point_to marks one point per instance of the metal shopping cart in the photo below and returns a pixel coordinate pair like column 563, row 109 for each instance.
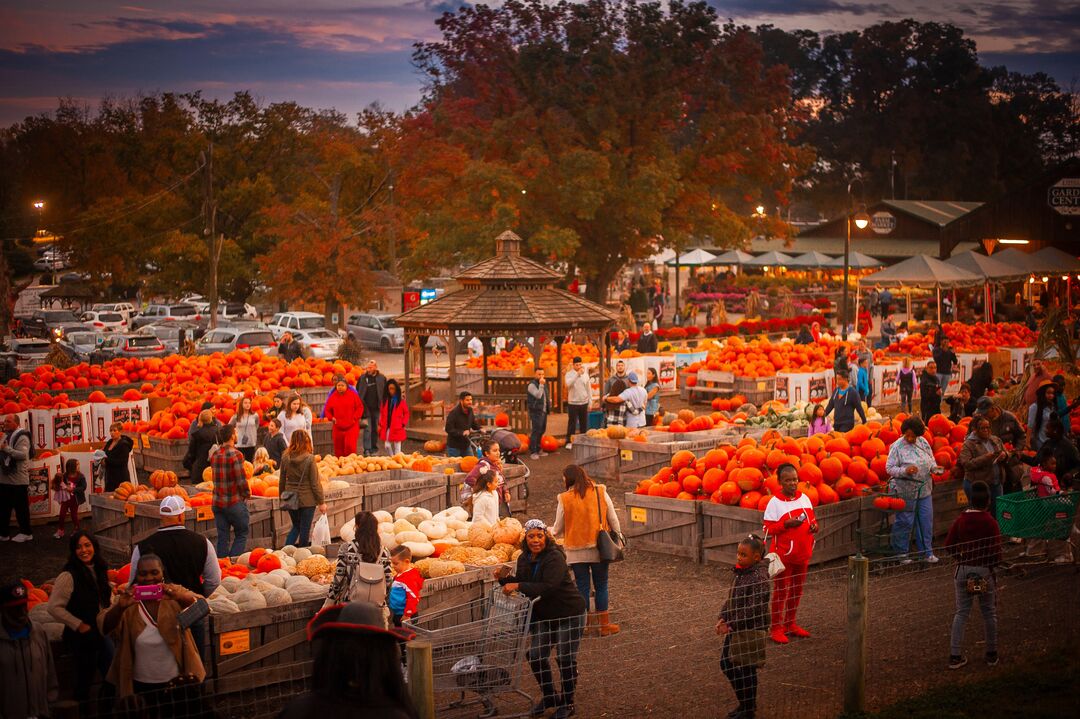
column 478, row 647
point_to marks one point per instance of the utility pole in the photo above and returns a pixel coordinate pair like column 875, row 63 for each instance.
column 214, row 241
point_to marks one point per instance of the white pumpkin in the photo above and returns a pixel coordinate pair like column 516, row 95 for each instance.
column 389, row 541
column 433, row 529
column 382, row 516
column 301, row 554
column 413, row 536
column 347, row 531
column 462, row 535
column 403, row 526
column 420, row 549
column 277, row 596
column 249, row 598
column 223, row 605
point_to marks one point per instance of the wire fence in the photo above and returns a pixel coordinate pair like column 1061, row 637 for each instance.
column 666, row 658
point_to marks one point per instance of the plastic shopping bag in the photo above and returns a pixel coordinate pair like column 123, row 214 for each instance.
column 320, row 533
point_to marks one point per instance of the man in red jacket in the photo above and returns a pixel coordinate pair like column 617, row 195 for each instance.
column 790, row 521
column 344, row 409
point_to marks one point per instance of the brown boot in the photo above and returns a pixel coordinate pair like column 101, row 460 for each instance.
column 592, row 625
column 606, row 626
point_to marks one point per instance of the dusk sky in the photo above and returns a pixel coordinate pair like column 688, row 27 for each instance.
column 349, row 53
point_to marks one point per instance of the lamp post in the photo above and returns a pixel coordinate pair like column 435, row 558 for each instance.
column 862, row 220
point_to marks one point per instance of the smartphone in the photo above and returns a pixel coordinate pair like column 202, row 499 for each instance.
column 148, row 592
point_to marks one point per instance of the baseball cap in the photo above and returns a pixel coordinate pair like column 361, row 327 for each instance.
column 632, row 377
column 14, row 594
column 172, row 507
column 576, row 360
column 353, row 618
column 984, row 404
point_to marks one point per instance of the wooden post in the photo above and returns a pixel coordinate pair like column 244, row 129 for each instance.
column 421, row 679
column 855, row 657
column 558, row 403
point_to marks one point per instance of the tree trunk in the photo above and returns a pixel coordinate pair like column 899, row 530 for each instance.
column 597, row 282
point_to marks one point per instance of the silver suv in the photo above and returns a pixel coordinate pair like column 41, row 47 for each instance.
column 376, row 330
column 168, row 313
column 227, row 339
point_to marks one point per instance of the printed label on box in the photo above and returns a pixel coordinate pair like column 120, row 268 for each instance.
column 637, row 514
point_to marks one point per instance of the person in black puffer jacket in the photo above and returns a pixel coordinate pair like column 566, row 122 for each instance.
column 746, row 610
column 558, row 617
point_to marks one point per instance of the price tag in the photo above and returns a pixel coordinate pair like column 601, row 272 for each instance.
column 638, row 514
column 146, row 441
column 129, row 510
column 204, row 514
column 626, row 455
column 236, row 642
column 961, row 498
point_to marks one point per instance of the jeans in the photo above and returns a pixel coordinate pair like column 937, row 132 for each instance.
column 15, row 496
column 996, row 491
column 905, row 399
column 237, row 517
column 943, row 379
column 920, row 516
column 787, row 593
column 743, row 679
column 300, row 533
column 371, row 430
column 453, row 452
column 599, row 571
column 987, row 604
column 577, row 420
column 538, row 421
column 91, row 653
column 564, row 636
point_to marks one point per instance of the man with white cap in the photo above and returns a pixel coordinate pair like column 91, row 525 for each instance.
column 189, row 557
column 633, row 400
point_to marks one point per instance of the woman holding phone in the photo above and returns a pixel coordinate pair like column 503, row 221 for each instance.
column 153, row 651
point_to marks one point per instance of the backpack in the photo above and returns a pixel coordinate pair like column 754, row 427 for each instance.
column 906, row 380
column 7, row 462
column 368, row 584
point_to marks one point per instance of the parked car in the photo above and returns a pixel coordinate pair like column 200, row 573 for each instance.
column 128, row 345
column 321, row 344
column 376, row 330
column 30, row 353
column 62, row 330
column 52, row 260
column 169, row 333
column 167, row 313
column 124, row 308
column 79, row 345
column 105, row 321
column 41, row 323
column 228, row 310
column 227, row 339
column 284, row 322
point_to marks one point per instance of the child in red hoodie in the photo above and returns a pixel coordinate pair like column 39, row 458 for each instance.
column 1044, row 477
column 790, row 521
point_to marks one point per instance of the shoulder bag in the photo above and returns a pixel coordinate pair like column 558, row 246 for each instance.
column 290, row 498
column 776, row 565
column 746, row 647
column 609, row 543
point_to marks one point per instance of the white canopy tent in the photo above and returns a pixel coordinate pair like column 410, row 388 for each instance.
column 923, row 272
column 770, row 259
column 812, row 260
column 990, row 269
column 693, row 258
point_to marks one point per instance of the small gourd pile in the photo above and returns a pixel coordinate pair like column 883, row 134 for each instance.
column 261, row 578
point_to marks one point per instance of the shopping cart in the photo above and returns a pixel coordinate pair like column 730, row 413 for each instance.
column 1025, row 514
column 478, row 647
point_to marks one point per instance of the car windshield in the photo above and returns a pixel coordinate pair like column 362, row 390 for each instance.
column 182, row 310
column 387, row 322
column 255, row 338
column 166, row 333
column 310, row 323
column 82, row 338
column 110, row 317
column 59, row 316
column 143, row 341
column 33, row 347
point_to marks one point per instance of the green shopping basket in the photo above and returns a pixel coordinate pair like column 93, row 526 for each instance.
column 1025, row 514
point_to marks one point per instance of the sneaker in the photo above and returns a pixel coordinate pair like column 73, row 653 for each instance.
column 991, row 659
column 543, row 454
column 795, row 630
column 534, row 456
column 5, row 538
column 932, row 559
column 569, row 445
column 956, row 661
column 778, row 636
column 22, row 538
column 907, row 561
column 59, row 534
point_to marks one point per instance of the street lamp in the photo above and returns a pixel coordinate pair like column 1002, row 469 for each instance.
column 862, row 221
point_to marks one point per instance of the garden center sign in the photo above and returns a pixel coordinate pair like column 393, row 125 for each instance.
column 1064, row 196
column 883, row 223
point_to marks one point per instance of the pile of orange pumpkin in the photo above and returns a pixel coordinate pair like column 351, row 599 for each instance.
column 762, row 358
column 975, row 337
column 832, row 467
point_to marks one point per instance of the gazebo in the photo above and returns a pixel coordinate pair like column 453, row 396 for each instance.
column 507, row 295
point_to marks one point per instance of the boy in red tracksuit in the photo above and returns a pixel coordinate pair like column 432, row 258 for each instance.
column 344, row 409
column 790, row 521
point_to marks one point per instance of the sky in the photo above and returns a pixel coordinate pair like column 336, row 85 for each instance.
column 347, row 54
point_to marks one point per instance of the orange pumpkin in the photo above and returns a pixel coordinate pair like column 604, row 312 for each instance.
column 468, row 462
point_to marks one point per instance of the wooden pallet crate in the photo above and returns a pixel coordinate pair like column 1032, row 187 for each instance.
column 152, row 460
column 641, row 460
column 322, row 439
column 724, row 526
column 598, row 456
column 341, row 506
column 663, row 525
column 260, row 647
column 407, row 489
column 168, row 447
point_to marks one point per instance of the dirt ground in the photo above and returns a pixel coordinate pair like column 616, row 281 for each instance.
column 665, row 661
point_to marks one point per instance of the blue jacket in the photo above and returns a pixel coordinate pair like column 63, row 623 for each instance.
column 863, row 384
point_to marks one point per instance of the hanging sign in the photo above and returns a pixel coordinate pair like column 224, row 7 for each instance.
column 882, row 223
column 1064, row 196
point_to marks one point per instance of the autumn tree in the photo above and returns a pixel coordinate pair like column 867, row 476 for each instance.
column 601, row 131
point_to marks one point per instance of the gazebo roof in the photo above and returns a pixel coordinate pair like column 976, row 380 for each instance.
column 69, row 290
column 508, row 293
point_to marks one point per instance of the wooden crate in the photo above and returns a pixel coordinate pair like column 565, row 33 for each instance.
column 949, row 501
column 162, row 447
column 322, row 438
column 666, row 526
column 598, row 456
column 407, row 489
column 314, row 397
column 112, row 528
column 641, row 460
column 443, row 593
column 724, row 526
column 260, row 647
column 151, row 460
column 341, row 506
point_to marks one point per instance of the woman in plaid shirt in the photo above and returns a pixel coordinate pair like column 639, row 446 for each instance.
column 230, row 494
